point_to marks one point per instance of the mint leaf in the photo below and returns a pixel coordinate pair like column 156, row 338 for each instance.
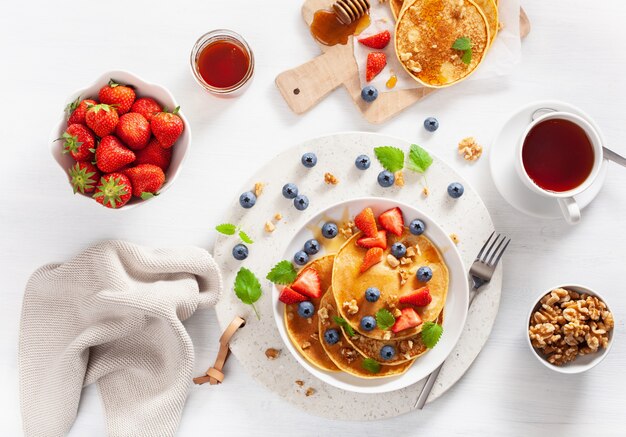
column 147, row 195
column 384, row 319
column 247, row 288
column 282, row 273
column 245, row 238
column 467, row 57
column 371, row 365
column 226, row 229
column 431, row 333
column 419, row 159
column 391, row 158
column 463, row 43
column 345, row 325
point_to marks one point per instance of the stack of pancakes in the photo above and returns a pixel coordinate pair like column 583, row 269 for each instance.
column 344, row 300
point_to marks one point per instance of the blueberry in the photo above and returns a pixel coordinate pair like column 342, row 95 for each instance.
column 331, row 336
column 368, row 323
column 431, row 124
column 398, row 250
column 387, row 352
column 386, row 178
column 330, row 230
column 309, row 160
column 362, row 162
column 306, row 309
column 312, row 246
column 247, row 199
column 424, row 274
column 417, row 227
column 372, row 294
column 240, row 252
column 290, row 191
column 301, row 202
column 369, row 93
column 301, row 258
column 455, row 190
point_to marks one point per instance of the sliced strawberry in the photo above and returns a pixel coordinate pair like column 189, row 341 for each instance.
column 379, row 241
column 372, row 257
column 366, row 222
column 376, row 61
column 288, row 296
column 420, row 297
column 378, row 41
column 408, row 319
column 308, row 283
column 392, row 221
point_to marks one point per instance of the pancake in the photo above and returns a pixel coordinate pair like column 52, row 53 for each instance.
column 349, row 284
column 425, row 33
column 346, row 357
column 406, row 350
column 304, row 334
column 396, row 7
column 490, row 9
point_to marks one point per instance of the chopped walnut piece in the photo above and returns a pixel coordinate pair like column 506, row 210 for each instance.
column 410, row 252
column 470, row 149
column 348, row 354
column 269, row 226
column 399, row 178
column 299, row 382
column 455, row 238
column 330, row 179
column 278, row 216
column 305, row 345
column 258, row 188
column 404, row 260
column 290, row 315
column 310, row 391
column 404, row 276
column 272, row 353
column 351, row 307
column 425, row 192
column 397, row 313
column 387, row 335
column 392, row 261
column 309, row 320
column 347, row 229
column 322, row 313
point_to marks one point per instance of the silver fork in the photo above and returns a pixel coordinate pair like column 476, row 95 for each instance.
column 481, row 272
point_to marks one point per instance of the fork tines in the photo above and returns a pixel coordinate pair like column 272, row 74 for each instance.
column 496, row 254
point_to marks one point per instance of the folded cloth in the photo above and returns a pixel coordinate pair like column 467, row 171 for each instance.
column 112, row 315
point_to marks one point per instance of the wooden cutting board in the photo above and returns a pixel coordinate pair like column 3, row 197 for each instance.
column 304, row 86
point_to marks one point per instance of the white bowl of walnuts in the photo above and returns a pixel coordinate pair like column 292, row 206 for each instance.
column 570, row 328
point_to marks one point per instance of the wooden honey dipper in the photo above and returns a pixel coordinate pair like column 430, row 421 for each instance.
column 348, row 11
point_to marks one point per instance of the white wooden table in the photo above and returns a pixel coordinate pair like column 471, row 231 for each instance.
column 575, row 53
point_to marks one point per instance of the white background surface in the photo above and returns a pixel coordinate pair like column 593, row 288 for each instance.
column 574, row 53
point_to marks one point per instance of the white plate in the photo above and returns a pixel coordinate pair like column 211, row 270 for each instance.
column 502, row 164
column 455, row 309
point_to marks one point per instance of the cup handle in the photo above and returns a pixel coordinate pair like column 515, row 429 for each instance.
column 570, row 210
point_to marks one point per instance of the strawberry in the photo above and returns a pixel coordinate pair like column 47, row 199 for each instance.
column 167, row 127
column 121, row 96
column 392, row 221
column 102, row 119
column 77, row 109
column 134, row 130
column 408, row 319
column 372, row 256
column 376, row 61
column 78, row 142
column 114, row 190
column 366, row 222
column 112, row 155
column 379, row 241
column 84, row 176
column 308, row 283
column 378, row 41
column 420, row 297
column 147, row 179
column 288, row 296
column 146, row 106
column 153, row 153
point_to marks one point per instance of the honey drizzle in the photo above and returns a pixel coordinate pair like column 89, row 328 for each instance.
column 330, row 246
column 328, row 30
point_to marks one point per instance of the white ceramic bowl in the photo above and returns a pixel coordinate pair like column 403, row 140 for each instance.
column 455, row 308
column 142, row 89
column 581, row 363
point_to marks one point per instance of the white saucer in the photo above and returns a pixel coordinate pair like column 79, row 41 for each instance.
column 502, row 164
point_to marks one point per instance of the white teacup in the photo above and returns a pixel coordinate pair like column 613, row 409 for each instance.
column 569, row 207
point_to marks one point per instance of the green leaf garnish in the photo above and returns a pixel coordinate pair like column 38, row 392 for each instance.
column 248, row 288
column 282, row 273
column 371, row 365
column 391, row 158
column 245, row 238
column 345, row 325
column 419, row 159
column 465, row 45
column 431, row 333
column 226, row 229
column 384, row 319
column 467, row 57
column 147, row 195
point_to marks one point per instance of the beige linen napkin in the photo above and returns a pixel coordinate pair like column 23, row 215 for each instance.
column 112, row 315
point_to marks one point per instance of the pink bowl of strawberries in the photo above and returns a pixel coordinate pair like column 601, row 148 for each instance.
column 121, row 141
